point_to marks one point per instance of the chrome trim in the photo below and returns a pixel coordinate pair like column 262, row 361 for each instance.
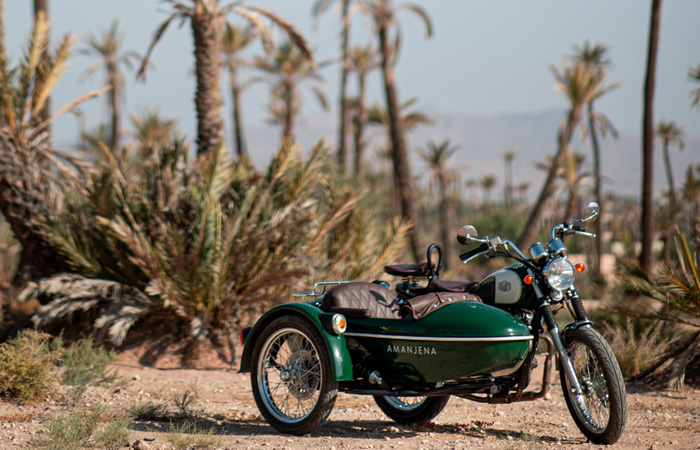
column 443, row 339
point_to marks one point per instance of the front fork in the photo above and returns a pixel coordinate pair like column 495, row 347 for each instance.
column 561, row 349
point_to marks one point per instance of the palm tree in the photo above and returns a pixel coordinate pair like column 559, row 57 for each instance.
column 694, row 75
column 508, row 157
column 384, row 17
column 41, row 7
column 438, row 158
column 108, row 49
column 207, row 19
column 376, row 115
column 318, row 9
column 288, row 67
column 596, row 57
column 3, row 49
column 26, row 191
column 151, row 130
column 670, row 133
column 362, row 61
column 646, row 258
column 487, row 183
column 580, row 83
column 522, row 189
column 235, row 40
column 573, row 178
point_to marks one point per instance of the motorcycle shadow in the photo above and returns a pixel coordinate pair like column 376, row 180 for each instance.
column 359, row 429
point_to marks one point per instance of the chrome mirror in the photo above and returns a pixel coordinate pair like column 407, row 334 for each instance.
column 466, row 234
column 591, row 212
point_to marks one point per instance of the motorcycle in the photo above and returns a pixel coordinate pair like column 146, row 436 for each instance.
column 429, row 339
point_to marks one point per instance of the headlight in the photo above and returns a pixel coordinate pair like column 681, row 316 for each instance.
column 560, row 274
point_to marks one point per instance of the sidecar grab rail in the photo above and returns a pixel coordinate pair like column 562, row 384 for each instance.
column 316, row 292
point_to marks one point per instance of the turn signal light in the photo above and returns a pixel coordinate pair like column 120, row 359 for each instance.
column 339, row 324
column 529, row 279
column 580, row 267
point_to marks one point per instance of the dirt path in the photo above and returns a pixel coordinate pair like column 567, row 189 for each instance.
column 225, row 402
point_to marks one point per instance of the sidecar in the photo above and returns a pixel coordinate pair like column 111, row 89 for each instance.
column 358, row 337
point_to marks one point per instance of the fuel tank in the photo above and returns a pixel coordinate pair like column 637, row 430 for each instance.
column 467, row 340
column 505, row 287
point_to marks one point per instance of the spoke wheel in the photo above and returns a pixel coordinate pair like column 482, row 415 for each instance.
column 292, row 378
column 409, row 410
column 600, row 411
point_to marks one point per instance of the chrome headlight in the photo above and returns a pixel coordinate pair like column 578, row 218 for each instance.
column 560, row 274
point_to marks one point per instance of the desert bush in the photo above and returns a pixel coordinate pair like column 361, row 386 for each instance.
column 184, row 399
column 637, row 343
column 194, row 244
column 671, row 294
column 148, row 410
column 84, row 429
column 188, row 435
column 27, row 366
column 84, row 364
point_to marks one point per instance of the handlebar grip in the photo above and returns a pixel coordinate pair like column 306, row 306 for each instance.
column 482, row 248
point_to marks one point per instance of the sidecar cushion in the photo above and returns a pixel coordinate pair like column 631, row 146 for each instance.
column 423, row 305
column 360, row 299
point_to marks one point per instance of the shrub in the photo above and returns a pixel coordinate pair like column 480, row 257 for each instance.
column 84, row 429
column 27, row 365
column 85, row 365
column 196, row 244
column 148, row 410
column 184, row 399
column 188, row 436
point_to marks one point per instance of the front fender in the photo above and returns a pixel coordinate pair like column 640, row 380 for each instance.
column 336, row 346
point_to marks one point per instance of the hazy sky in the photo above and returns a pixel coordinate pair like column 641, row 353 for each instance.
column 487, row 57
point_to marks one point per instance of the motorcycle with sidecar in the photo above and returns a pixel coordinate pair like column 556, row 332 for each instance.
column 429, row 339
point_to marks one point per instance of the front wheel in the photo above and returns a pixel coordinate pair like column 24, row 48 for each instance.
column 601, row 411
column 410, row 410
column 291, row 376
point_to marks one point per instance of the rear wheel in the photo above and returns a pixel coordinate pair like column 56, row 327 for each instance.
column 291, row 376
column 409, row 410
column 601, row 411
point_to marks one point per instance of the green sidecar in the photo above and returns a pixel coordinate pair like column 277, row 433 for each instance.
column 410, row 354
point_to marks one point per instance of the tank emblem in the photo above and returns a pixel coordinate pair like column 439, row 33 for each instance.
column 411, row 349
column 504, row 286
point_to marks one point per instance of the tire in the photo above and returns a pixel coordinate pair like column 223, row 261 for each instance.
column 601, row 412
column 292, row 377
column 410, row 410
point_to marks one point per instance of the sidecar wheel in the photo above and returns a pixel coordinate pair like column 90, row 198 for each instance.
column 601, row 412
column 409, row 410
column 291, row 376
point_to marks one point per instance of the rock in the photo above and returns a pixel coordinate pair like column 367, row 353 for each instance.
column 136, row 377
column 140, row 445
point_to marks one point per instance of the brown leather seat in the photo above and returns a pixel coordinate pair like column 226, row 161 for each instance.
column 451, row 286
column 360, row 300
column 408, row 270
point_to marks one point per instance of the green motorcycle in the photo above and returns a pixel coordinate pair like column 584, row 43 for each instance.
column 414, row 347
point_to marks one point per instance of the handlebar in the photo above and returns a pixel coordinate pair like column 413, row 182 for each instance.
column 561, row 230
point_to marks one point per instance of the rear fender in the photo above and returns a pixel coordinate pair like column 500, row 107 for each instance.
column 336, row 345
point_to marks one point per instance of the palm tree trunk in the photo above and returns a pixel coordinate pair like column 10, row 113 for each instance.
column 42, row 7
column 207, row 29
column 402, row 171
column 241, row 150
column 288, row 119
column 597, row 275
column 114, row 107
column 3, row 48
column 342, row 147
column 361, row 119
column 445, row 222
column 24, row 192
column 646, row 258
column 669, row 176
column 536, row 213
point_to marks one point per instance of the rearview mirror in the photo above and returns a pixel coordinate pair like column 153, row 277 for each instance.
column 466, row 234
column 591, row 212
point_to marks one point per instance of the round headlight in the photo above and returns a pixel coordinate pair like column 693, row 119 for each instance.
column 560, row 274
column 339, row 324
